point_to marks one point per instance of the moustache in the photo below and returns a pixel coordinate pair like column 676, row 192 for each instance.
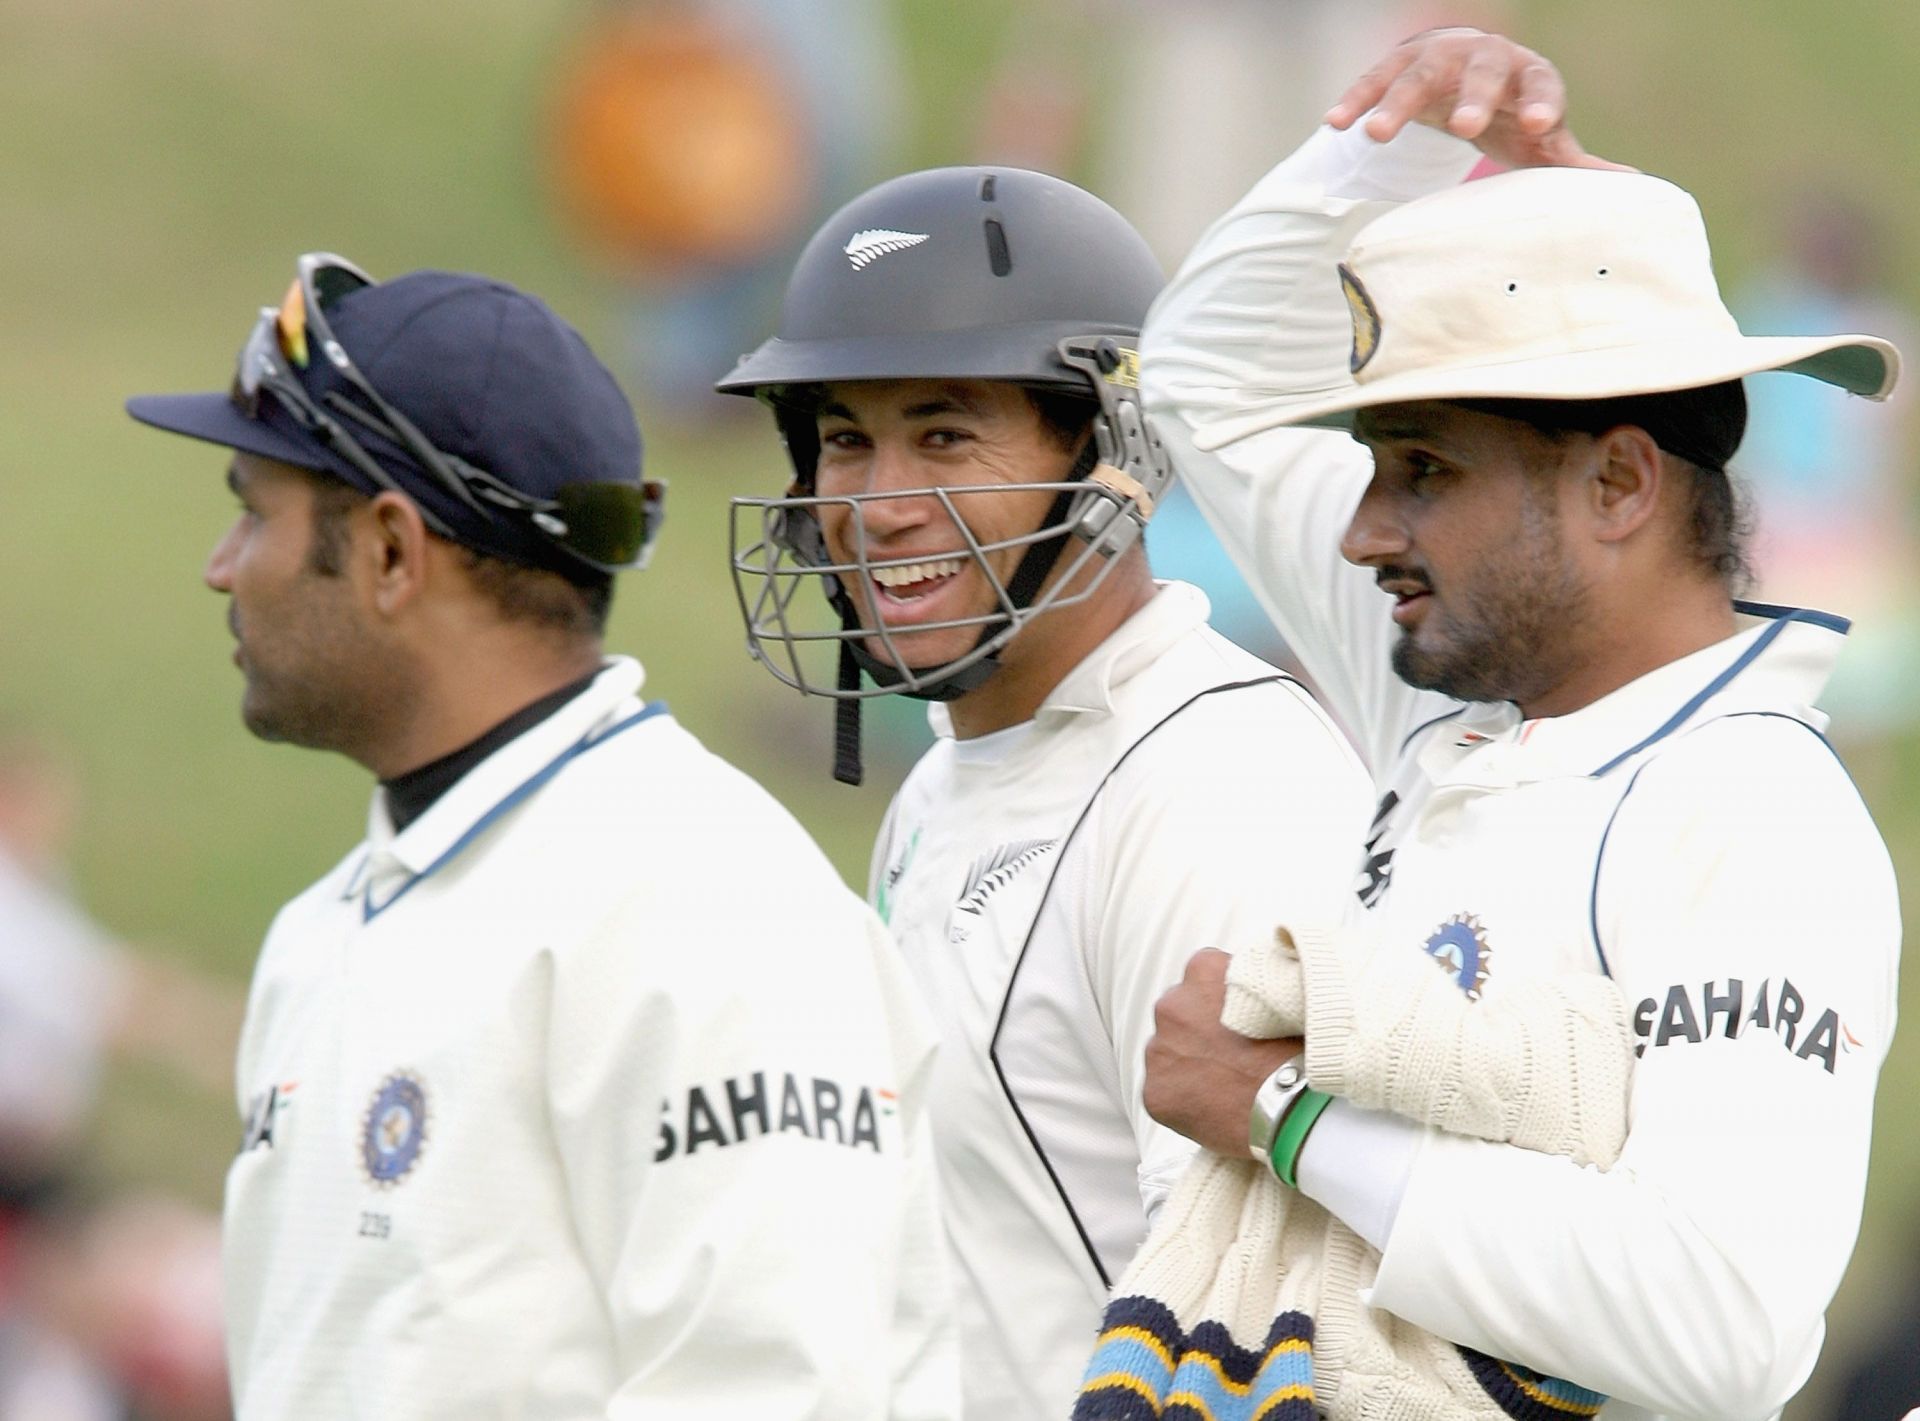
column 1404, row 575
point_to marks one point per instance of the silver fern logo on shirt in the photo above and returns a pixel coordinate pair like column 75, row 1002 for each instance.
column 990, row 873
column 868, row 246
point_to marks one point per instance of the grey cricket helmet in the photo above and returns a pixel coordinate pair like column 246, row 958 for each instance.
column 958, row 274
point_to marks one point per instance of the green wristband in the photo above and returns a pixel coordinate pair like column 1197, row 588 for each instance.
column 1292, row 1134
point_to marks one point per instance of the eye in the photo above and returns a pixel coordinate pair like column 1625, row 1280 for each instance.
column 945, row 438
column 1423, row 470
column 843, row 439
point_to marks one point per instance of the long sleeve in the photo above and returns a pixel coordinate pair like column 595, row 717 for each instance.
column 743, row 1131
column 1746, row 906
column 1253, row 321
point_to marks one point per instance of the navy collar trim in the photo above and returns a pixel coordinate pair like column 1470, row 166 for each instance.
column 1427, row 725
column 591, row 740
column 1828, row 621
column 1782, row 618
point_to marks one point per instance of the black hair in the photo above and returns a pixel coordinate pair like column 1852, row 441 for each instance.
column 574, row 607
column 1065, row 414
column 1701, row 427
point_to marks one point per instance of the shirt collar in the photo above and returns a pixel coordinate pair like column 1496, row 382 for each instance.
column 394, row 860
column 1778, row 661
column 1173, row 611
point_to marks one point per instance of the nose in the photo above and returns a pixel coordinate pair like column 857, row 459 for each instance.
column 218, row 573
column 908, row 502
column 1376, row 533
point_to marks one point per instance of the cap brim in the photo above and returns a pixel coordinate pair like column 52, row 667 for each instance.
column 1023, row 353
column 1862, row 365
column 217, row 420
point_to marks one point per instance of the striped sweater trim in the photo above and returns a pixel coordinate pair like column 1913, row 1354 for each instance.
column 1143, row 1367
column 1527, row 1395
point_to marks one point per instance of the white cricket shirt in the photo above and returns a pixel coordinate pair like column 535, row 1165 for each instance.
column 1692, row 834
column 1046, row 884
column 593, row 1093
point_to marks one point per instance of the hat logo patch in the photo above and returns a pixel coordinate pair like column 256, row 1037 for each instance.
column 1366, row 320
column 876, row 242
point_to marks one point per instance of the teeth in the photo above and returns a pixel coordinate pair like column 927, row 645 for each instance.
column 906, row 574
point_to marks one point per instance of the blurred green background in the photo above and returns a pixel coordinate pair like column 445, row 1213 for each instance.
column 164, row 162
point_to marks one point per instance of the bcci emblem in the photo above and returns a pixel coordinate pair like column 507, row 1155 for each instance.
column 1460, row 946
column 394, row 1130
column 1366, row 321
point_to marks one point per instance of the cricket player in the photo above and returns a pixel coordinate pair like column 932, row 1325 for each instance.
column 1515, row 573
column 581, row 1087
column 1112, row 784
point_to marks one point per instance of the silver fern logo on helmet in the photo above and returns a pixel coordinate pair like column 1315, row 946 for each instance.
column 876, row 242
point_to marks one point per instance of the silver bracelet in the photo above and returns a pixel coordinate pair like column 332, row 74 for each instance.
column 1271, row 1102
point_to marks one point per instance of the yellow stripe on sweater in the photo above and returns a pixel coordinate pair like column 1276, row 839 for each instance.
column 1140, row 1335
column 1545, row 1398
column 1126, row 1380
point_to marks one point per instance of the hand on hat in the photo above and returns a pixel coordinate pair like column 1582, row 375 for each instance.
column 1499, row 95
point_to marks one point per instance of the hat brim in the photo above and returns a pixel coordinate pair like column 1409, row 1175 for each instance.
column 217, row 420
column 1862, row 365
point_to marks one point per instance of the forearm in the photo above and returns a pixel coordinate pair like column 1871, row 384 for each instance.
column 1254, row 321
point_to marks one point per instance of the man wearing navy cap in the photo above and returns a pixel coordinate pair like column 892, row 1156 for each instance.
column 543, row 1116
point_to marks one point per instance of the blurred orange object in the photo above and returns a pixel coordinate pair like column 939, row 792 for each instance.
column 674, row 140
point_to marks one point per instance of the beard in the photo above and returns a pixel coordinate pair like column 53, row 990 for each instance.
column 1505, row 632
column 313, row 712
column 314, row 679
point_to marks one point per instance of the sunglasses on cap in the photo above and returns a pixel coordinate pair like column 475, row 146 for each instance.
column 610, row 527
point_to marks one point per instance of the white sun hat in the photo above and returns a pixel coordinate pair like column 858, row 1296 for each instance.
column 1555, row 284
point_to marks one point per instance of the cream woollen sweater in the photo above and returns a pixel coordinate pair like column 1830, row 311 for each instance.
column 1245, row 1300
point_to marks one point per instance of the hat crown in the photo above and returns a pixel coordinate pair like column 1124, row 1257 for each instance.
column 1543, row 261
column 494, row 376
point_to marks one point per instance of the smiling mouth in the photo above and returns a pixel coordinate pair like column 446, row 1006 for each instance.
column 905, row 583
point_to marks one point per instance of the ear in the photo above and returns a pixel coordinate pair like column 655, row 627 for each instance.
column 400, row 546
column 1623, row 488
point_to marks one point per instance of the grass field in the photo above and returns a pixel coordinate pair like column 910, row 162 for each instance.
column 166, row 161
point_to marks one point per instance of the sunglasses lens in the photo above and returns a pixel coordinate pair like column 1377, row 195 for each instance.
column 330, row 283
column 250, row 371
column 612, row 525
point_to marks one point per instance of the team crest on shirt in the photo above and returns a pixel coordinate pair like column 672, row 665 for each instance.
column 1460, row 945
column 988, row 875
column 1366, row 320
column 394, row 1129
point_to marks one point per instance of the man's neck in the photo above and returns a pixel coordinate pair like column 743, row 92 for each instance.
column 460, row 707
column 1046, row 652
column 1629, row 647
column 412, row 794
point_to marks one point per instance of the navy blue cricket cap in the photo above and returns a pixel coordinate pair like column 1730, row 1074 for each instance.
column 486, row 372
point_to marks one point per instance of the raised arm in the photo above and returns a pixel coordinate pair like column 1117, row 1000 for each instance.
column 1256, row 320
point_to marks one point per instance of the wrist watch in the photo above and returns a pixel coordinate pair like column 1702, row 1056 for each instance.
column 1271, row 1102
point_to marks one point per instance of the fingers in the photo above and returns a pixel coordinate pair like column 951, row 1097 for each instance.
column 1363, row 93
column 1208, row 965
column 1485, row 79
column 1464, row 81
column 1561, row 149
column 1540, row 95
column 1412, row 91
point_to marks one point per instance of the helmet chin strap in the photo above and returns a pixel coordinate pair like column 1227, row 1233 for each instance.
column 1035, row 565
